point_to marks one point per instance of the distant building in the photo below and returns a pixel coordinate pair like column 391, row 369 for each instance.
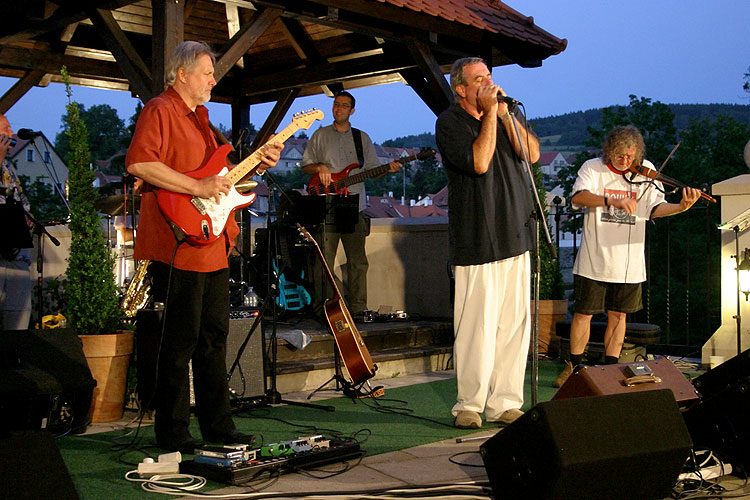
column 550, row 164
column 37, row 159
column 291, row 155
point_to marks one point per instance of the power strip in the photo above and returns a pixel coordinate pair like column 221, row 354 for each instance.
column 146, row 469
column 706, row 473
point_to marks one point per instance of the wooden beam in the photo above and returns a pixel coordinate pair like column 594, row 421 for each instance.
column 71, row 12
column 233, row 26
column 436, row 82
column 274, row 118
column 128, row 59
column 415, row 79
column 243, row 40
column 189, row 6
column 19, row 89
column 322, row 74
column 49, row 62
column 167, row 32
column 300, row 40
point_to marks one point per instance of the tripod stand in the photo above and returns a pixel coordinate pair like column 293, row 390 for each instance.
column 269, row 304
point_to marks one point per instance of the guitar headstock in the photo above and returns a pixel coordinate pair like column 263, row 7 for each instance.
column 305, row 234
column 304, row 119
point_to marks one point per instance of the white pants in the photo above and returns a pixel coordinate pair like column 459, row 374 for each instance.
column 492, row 331
column 15, row 294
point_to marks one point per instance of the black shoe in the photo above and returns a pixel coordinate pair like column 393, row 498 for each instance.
column 185, row 445
column 231, row 437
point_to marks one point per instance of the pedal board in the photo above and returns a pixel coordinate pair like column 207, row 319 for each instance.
column 238, row 472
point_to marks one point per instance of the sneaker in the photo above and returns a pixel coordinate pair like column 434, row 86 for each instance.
column 560, row 380
column 509, row 416
column 468, row 420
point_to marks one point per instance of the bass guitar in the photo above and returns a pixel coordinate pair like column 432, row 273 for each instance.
column 341, row 180
column 352, row 347
column 202, row 220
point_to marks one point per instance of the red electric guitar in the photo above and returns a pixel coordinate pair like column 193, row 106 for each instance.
column 341, row 180
column 202, row 220
column 353, row 350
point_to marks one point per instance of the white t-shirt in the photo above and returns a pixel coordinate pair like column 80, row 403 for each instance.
column 612, row 249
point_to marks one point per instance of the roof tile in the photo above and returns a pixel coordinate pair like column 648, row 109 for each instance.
column 488, row 15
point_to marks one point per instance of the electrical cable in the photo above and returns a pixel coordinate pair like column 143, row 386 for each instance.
column 187, row 485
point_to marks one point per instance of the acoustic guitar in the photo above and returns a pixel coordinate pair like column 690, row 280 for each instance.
column 352, row 347
column 202, row 220
column 341, row 180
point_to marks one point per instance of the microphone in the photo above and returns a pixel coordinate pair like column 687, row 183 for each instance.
column 27, row 134
column 504, row 98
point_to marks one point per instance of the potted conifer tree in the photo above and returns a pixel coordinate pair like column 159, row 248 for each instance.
column 92, row 299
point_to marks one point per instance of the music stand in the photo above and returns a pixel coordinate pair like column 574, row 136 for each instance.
column 272, row 395
column 737, row 224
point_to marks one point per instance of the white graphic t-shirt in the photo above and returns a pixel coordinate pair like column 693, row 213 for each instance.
column 612, row 249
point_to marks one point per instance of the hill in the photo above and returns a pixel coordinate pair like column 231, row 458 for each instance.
column 568, row 132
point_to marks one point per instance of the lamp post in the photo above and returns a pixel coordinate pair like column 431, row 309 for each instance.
column 743, row 274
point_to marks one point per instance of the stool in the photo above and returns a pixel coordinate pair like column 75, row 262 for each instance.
column 637, row 337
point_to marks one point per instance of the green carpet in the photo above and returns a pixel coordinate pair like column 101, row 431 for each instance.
column 404, row 417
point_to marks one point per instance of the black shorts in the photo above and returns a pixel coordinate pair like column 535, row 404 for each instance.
column 593, row 297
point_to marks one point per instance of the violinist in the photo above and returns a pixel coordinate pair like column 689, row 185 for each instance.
column 610, row 265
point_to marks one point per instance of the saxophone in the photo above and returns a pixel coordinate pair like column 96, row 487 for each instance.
column 138, row 293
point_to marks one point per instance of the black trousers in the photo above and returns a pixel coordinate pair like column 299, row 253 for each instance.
column 196, row 325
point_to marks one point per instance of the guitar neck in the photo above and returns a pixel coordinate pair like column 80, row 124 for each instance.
column 365, row 174
column 250, row 164
column 329, row 274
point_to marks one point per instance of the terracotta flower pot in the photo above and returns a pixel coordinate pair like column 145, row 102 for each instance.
column 550, row 312
column 108, row 357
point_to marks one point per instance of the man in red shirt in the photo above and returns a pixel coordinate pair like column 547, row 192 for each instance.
column 173, row 137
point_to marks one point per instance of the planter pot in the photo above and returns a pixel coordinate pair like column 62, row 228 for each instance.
column 550, row 312
column 108, row 357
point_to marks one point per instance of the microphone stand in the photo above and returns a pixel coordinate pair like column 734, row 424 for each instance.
column 39, row 230
column 538, row 216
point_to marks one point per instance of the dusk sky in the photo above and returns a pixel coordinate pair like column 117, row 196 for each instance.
column 673, row 51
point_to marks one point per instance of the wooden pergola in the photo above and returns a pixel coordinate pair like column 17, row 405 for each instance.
column 268, row 50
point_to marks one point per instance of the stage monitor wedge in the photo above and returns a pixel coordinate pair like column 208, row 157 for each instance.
column 614, row 447
column 602, row 380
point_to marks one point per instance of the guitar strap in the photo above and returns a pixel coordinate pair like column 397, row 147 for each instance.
column 357, row 135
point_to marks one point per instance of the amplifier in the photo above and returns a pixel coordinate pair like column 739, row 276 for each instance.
column 248, row 378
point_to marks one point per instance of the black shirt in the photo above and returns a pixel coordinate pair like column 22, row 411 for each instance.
column 489, row 214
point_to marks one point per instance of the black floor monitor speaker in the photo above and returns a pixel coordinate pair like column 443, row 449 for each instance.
column 613, row 447
column 720, row 421
column 33, row 467
column 45, row 382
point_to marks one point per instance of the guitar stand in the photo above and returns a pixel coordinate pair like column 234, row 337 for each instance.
column 347, row 388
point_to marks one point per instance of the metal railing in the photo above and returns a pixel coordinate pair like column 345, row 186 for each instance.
column 682, row 292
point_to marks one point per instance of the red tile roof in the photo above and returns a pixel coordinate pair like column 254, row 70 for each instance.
column 488, row 15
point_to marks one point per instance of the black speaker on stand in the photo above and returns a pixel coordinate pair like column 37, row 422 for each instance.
column 614, row 447
column 720, row 421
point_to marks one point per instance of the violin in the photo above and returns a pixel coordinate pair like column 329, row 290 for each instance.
column 657, row 176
